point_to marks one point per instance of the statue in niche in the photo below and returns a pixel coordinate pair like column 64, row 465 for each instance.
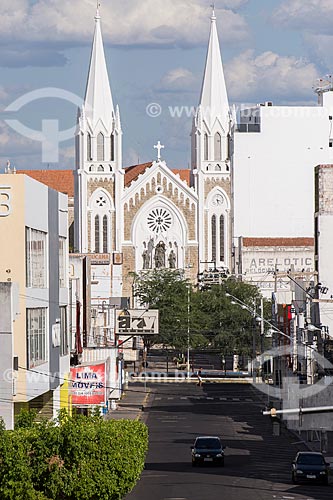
column 172, row 260
column 159, row 256
column 145, row 258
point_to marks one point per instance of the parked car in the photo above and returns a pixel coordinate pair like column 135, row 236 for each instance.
column 207, row 449
column 310, row 466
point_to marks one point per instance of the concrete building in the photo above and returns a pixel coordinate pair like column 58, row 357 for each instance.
column 323, row 239
column 266, row 263
column 275, row 151
column 34, row 312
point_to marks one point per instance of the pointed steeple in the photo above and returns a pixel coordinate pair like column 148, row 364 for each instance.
column 98, row 99
column 214, row 99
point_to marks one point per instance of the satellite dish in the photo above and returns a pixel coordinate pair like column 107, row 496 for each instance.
column 323, row 84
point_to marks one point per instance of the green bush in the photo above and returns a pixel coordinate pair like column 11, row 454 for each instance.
column 76, row 458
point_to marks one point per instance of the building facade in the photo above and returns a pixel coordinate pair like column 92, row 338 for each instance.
column 149, row 216
column 34, row 261
column 323, row 236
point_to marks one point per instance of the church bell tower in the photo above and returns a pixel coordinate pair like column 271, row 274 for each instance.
column 211, row 136
column 98, row 177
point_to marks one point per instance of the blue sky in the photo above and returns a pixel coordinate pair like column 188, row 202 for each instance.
column 272, row 50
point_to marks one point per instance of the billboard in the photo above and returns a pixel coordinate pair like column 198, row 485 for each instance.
column 88, row 384
column 136, row 322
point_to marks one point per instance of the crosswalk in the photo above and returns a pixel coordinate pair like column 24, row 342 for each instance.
column 203, row 398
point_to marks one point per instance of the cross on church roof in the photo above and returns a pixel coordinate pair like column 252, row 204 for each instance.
column 158, row 146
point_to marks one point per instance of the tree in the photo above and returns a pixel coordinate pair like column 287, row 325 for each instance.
column 168, row 291
column 209, row 314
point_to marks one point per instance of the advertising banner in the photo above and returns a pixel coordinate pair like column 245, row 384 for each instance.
column 89, row 384
column 136, row 322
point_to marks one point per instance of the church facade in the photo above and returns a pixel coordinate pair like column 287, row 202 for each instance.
column 149, row 216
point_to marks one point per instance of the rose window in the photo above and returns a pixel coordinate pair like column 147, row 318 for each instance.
column 159, row 220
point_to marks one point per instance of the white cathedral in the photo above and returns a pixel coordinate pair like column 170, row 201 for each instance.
column 246, row 204
column 149, row 215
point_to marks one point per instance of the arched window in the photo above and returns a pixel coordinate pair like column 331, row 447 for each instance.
column 222, row 255
column 217, row 147
column 89, row 156
column 100, row 147
column 112, row 147
column 97, row 234
column 100, row 168
column 213, row 238
column 206, row 147
column 105, row 234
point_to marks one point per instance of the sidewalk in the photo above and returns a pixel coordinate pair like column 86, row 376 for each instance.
column 310, row 439
column 132, row 404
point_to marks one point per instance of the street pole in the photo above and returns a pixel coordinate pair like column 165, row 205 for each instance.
column 188, row 332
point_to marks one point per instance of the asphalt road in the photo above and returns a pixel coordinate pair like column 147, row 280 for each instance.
column 257, row 464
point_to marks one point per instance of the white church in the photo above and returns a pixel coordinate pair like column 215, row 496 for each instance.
column 246, row 204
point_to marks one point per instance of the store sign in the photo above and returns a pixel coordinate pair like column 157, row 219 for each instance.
column 99, row 259
column 88, row 385
column 267, row 261
column 136, row 322
column 5, row 201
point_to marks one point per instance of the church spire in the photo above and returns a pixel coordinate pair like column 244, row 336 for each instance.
column 98, row 99
column 214, row 99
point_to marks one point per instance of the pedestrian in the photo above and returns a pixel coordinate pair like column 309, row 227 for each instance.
column 199, row 375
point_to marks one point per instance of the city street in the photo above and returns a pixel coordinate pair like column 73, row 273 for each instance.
column 257, row 464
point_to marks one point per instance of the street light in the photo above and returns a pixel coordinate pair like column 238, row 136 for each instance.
column 188, row 332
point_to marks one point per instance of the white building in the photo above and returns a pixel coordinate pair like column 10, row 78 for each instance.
column 275, row 151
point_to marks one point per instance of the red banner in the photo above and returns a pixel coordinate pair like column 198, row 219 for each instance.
column 89, row 385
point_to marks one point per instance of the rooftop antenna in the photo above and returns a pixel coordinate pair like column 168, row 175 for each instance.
column 324, row 84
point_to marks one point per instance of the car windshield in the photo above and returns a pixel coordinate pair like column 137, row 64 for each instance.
column 211, row 444
column 310, row 460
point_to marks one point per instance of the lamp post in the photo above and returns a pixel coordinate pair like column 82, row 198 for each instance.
column 188, row 332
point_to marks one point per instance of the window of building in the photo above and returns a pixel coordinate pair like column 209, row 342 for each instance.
column 206, row 147
column 97, row 234
column 36, row 255
column 89, row 152
column 213, row 238
column 36, row 336
column 105, row 234
column 100, row 147
column 112, row 147
column 217, row 147
column 64, row 348
column 62, row 262
column 222, row 238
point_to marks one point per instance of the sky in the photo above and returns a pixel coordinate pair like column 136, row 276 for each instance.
column 272, row 50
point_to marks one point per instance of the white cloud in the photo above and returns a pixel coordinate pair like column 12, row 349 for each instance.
column 152, row 22
column 320, row 47
column 269, row 76
column 178, row 80
column 312, row 15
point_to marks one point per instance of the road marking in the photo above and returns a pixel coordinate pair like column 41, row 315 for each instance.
column 210, row 399
column 184, row 397
column 235, row 399
column 169, row 399
column 158, row 399
column 223, row 399
column 250, row 400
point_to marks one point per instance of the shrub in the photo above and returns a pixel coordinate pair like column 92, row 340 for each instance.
column 76, row 458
